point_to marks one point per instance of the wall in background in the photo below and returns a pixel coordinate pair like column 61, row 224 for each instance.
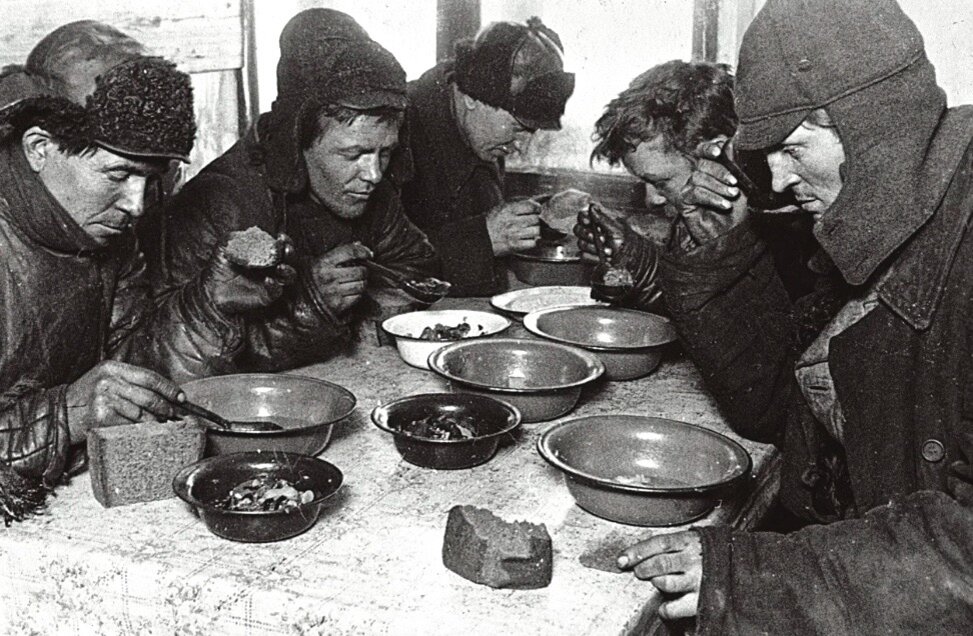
column 946, row 27
column 203, row 37
column 606, row 44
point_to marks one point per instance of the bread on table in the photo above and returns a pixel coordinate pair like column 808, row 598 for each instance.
column 485, row 549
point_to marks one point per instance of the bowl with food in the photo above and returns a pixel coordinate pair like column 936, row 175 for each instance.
column 543, row 380
column 629, row 342
column 644, row 471
column 306, row 410
column 258, row 497
column 447, row 430
column 418, row 333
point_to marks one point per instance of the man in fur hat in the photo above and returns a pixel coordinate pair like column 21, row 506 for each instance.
column 312, row 167
column 873, row 417
column 465, row 116
column 82, row 344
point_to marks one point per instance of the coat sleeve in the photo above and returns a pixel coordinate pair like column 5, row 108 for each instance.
column 903, row 568
column 34, row 438
column 178, row 334
column 400, row 245
column 460, row 239
column 295, row 329
column 736, row 323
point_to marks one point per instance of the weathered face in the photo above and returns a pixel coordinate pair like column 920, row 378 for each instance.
column 808, row 163
column 346, row 163
column 493, row 133
column 103, row 192
column 665, row 171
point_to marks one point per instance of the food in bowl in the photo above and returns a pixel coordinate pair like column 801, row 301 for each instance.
column 447, row 430
column 418, row 333
column 265, row 492
column 441, row 426
column 440, row 331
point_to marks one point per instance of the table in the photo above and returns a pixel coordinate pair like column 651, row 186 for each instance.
column 372, row 564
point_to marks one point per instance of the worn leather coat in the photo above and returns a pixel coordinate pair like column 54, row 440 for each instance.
column 451, row 190
column 892, row 552
column 65, row 307
column 255, row 183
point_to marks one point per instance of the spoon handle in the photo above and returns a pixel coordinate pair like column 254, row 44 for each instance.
column 206, row 414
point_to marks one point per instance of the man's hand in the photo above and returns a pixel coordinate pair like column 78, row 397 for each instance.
column 234, row 289
column 710, row 204
column 339, row 283
column 114, row 393
column 673, row 563
column 514, row 226
column 611, row 231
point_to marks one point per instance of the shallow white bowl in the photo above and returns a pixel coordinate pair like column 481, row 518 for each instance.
column 406, row 328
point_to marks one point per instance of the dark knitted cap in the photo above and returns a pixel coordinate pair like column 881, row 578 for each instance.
column 143, row 108
column 518, row 68
column 327, row 57
column 800, row 55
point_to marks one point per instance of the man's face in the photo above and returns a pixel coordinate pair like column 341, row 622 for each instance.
column 103, row 192
column 808, row 163
column 493, row 133
column 347, row 161
column 664, row 170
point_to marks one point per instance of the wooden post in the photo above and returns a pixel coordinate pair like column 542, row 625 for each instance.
column 455, row 20
column 706, row 20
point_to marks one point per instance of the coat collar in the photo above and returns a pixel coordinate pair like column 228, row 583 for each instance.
column 432, row 97
column 915, row 284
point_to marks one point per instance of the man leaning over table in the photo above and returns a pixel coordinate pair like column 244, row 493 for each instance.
column 83, row 346
column 465, row 117
column 874, row 416
column 312, row 167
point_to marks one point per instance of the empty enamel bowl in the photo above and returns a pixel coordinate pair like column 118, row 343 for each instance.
column 206, row 485
column 407, row 329
column 552, row 265
column 629, row 342
column 644, row 471
column 543, row 380
column 430, row 429
column 306, row 408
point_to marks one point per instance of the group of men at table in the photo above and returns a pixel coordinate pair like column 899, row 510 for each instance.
column 860, row 369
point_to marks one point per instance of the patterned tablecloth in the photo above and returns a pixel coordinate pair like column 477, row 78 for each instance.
column 372, row 564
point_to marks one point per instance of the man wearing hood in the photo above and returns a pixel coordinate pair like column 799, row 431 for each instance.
column 83, row 345
column 875, row 417
column 313, row 168
column 465, row 116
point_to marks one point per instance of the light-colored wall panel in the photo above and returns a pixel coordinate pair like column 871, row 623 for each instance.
column 199, row 35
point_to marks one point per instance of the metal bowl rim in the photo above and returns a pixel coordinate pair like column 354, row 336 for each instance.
column 537, row 258
column 511, row 409
column 271, row 376
column 530, row 323
column 497, row 299
column 543, row 447
column 467, row 312
column 595, row 365
column 180, row 485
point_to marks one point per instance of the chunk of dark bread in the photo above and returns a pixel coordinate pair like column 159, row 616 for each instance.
column 253, row 248
column 134, row 463
column 485, row 549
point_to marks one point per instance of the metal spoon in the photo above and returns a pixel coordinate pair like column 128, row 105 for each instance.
column 424, row 288
column 250, row 426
